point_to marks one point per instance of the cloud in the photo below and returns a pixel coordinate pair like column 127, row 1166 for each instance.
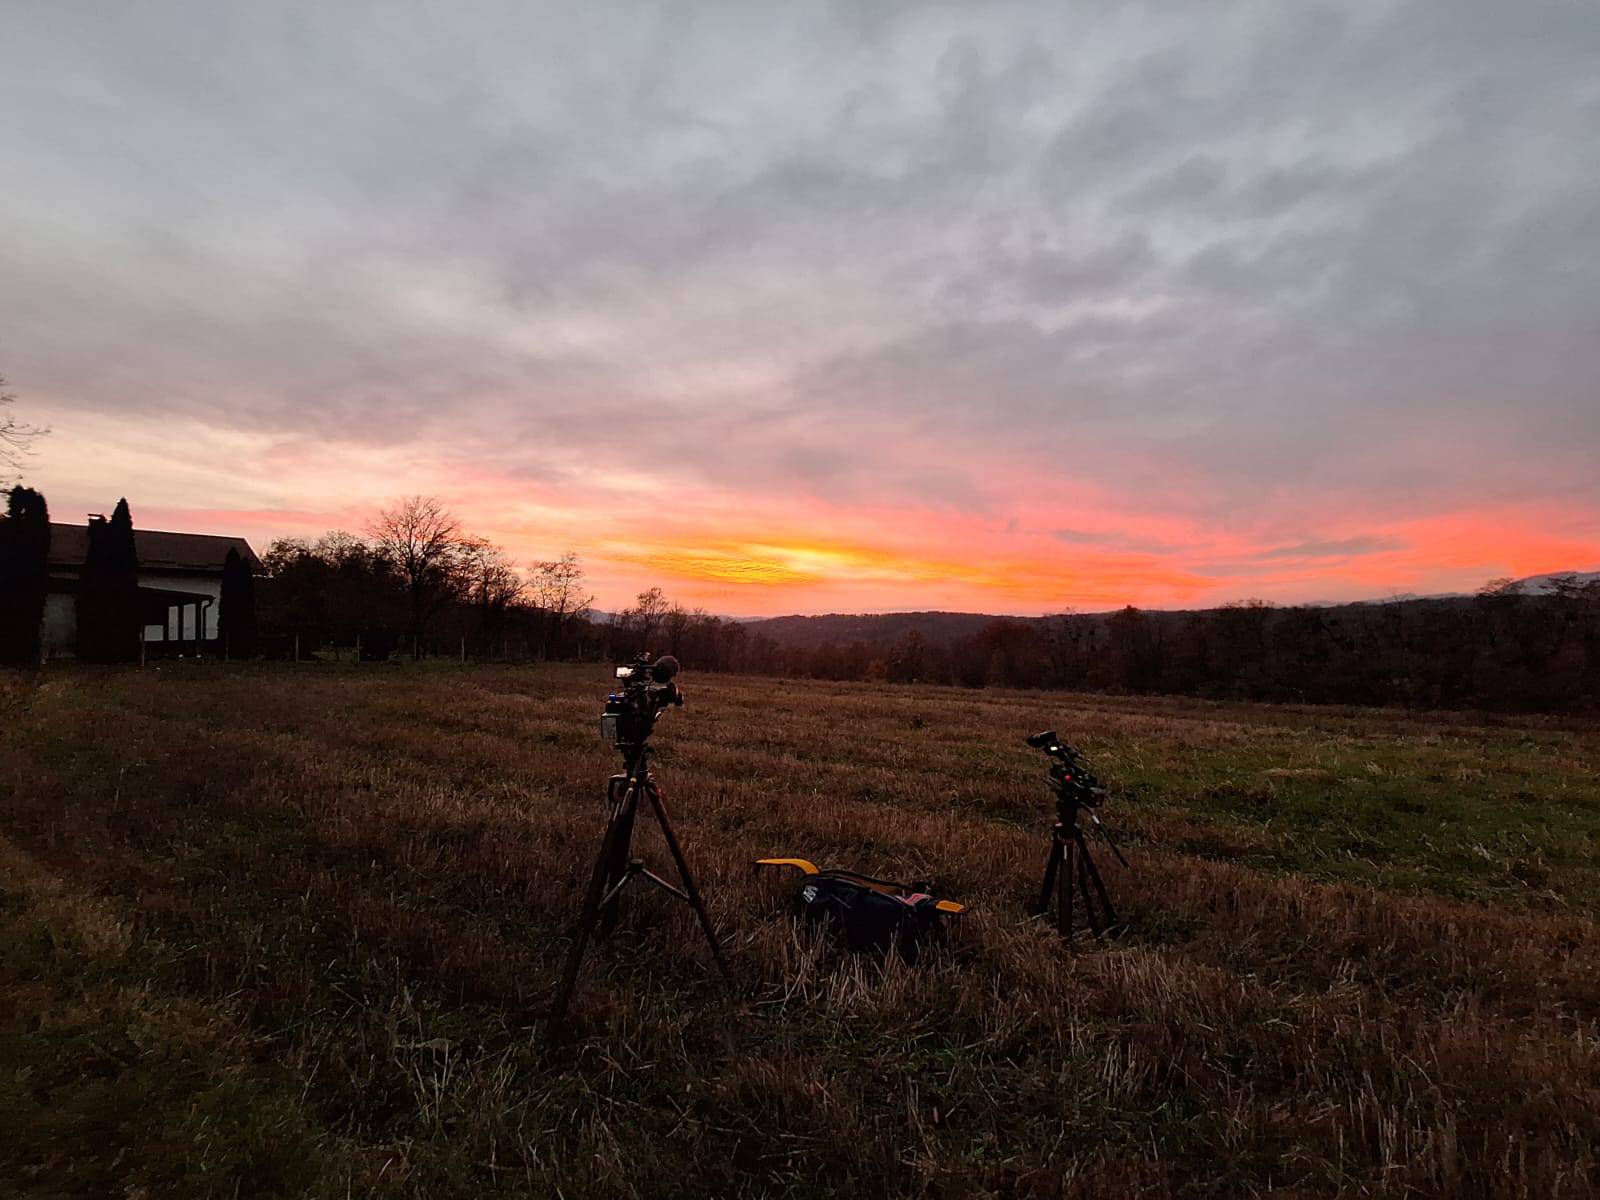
column 1341, row 548
column 1203, row 282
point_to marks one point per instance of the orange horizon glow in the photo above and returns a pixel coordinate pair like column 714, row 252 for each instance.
column 752, row 555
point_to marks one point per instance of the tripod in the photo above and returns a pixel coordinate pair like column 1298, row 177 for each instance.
column 1071, row 869
column 615, row 867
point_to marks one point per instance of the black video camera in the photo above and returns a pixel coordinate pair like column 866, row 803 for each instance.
column 1073, row 783
column 647, row 691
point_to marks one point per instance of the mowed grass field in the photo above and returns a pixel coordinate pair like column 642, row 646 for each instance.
column 287, row 930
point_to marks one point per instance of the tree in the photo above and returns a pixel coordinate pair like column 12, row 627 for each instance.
column 338, row 588
column 423, row 539
column 1136, row 651
column 24, row 576
column 908, row 658
column 647, row 613
column 236, row 614
column 492, row 587
column 108, row 591
column 16, row 439
column 675, row 626
column 557, row 591
column 633, row 629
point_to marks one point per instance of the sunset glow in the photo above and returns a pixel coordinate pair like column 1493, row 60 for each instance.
column 748, row 556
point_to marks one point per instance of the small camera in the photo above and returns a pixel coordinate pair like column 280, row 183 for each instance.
column 1073, row 783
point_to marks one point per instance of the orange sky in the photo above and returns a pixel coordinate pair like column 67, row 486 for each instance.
column 752, row 554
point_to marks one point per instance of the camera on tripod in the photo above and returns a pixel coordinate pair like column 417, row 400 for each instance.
column 629, row 718
column 1071, row 878
column 647, row 691
column 1073, row 783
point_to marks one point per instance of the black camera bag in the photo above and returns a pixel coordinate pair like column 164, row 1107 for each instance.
column 869, row 915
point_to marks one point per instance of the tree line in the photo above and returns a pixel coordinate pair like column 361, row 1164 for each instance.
column 416, row 583
column 1501, row 649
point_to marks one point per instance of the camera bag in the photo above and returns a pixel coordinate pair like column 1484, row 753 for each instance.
column 868, row 915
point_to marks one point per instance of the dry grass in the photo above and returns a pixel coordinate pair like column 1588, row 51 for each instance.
column 281, row 930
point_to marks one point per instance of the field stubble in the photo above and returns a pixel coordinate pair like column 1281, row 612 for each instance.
column 283, row 930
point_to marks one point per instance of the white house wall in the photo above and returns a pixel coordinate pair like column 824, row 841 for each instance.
column 183, row 583
column 60, row 627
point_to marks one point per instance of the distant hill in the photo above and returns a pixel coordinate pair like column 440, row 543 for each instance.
column 1539, row 585
column 882, row 629
column 807, row 633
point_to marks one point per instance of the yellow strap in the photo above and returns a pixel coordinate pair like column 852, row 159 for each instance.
column 808, row 868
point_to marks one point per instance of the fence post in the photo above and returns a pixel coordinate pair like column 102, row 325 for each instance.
column 297, row 647
column 358, row 649
column 142, row 632
column 463, row 652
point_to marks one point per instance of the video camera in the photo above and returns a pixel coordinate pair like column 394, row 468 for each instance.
column 1073, row 783
column 647, row 691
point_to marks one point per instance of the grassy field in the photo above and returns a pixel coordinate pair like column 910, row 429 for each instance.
column 287, row 930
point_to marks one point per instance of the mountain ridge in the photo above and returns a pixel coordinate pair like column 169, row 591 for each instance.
column 809, row 631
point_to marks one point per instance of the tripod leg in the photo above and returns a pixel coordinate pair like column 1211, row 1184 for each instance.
column 1110, row 912
column 1086, row 865
column 1064, row 888
column 654, row 796
column 625, row 806
column 589, row 914
column 1051, row 865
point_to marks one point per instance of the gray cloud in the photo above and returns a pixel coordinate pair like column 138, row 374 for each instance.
column 1319, row 252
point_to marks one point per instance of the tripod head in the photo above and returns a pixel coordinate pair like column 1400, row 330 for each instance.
column 1073, row 784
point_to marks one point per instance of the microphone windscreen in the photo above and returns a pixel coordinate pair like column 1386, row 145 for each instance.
column 664, row 668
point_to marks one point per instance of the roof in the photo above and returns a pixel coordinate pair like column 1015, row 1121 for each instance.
column 158, row 549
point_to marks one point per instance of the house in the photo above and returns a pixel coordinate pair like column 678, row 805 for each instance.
column 180, row 584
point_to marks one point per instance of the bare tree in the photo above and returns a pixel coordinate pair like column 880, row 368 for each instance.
column 557, row 591
column 339, row 546
column 648, row 612
column 675, row 625
column 491, row 579
column 492, row 587
column 633, row 628
column 16, row 439
column 424, row 541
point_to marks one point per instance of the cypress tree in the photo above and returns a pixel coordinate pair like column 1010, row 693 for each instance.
column 236, row 615
column 108, row 592
column 24, row 576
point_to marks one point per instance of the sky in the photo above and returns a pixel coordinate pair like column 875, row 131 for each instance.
column 799, row 307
